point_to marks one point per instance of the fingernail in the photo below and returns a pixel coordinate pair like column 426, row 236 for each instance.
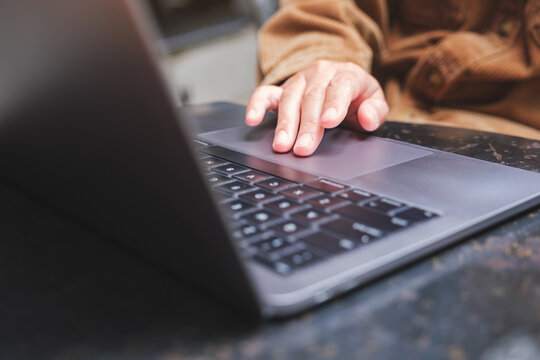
column 281, row 138
column 252, row 113
column 304, row 140
column 373, row 117
column 329, row 115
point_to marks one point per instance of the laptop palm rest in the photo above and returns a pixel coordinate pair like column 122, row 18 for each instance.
column 342, row 154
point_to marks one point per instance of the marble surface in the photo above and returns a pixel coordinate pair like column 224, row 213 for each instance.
column 65, row 293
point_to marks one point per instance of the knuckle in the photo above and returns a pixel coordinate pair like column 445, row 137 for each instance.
column 291, row 80
column 283, row 120
column 314, row 94
column 260, row 93
column 288, row 93
column 263, row 89
column 320, row 64
column 350, row 66
column 309, row 125
column 374, row 82
column 373, row 89
column 286, row 122
column 342, row 80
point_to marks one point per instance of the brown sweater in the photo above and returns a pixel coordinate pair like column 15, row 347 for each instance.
column 473, row 64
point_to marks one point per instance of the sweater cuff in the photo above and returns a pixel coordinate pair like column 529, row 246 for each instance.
column 302, row 59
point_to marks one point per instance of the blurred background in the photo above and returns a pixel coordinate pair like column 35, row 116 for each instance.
column 211, row 46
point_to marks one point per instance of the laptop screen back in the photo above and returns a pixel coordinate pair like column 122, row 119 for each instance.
column 86, row 126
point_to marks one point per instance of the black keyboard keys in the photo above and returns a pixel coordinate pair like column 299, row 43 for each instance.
column 327, row 186
column 246, row 231
column 289, row 228
column 259, row 196
column 368, row 218
column 299, row 193
column 209, row 162
column 275, row 184
column 269, row 246
column 280, row 267
column 234, row 187
column 384, row 205
column 252, row 176
column 353, row 230
column 310, row 216
column 329, row 243
column 301, row 258
column 355, row 195
column 236, row 207
column 325, row 202
column 217, row 179
column 230, row 169
column 283, row 205
column 260, row 217
column 413, row 215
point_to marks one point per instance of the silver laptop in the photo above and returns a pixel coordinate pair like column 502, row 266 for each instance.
column 87, row 126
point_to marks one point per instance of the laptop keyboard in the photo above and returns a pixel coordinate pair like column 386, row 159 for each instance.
column 292, row 220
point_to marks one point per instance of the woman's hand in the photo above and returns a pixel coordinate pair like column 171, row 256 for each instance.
column 319, row 98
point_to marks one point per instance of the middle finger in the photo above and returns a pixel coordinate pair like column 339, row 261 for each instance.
column 310, row 132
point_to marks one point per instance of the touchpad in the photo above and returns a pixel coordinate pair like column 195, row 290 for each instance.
column 342, row 154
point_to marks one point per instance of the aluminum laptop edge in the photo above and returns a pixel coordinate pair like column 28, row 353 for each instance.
column 87, row 126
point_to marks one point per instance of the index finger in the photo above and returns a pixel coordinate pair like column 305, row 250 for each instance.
column 264, row 98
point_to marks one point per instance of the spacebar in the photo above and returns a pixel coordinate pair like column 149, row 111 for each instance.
column 258, row 164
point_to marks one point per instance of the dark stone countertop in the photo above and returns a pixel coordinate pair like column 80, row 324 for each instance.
column 67, row 294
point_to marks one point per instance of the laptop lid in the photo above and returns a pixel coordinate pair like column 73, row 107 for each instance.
column 87, row 126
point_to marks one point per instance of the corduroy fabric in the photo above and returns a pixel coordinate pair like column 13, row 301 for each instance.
column 472, row 64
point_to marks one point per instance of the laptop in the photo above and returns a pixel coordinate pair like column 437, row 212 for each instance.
column 88, row 127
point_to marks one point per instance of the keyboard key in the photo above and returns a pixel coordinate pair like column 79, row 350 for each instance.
column 280, row 267
column 246, row 231
column 209, row 162
column 330, row 243
column 270, row 247
column 259, row 196
column 310, row 216
column 325, row 202
column 237, row 206
column 275, row 184
column 327, row 186
column 252, row 176
column 353, row 230
column 299, row 193
column 233, row 187
column 384, row 205
column 283, row 205
column 289, row 228
column 230, row 169
column 217, row 179
column 301, row 258
column 355, row 195
column 260, row 217
column 412, row 215
column 368, row 218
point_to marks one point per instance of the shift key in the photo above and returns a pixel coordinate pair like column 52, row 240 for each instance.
column 327, row 186
column 368, row 218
